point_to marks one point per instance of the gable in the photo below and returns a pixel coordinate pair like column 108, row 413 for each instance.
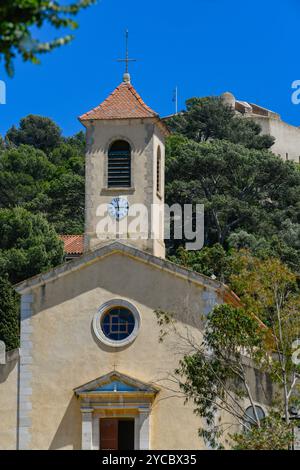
column 139, row 258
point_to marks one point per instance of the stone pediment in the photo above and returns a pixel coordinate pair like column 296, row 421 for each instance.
column 115, row 382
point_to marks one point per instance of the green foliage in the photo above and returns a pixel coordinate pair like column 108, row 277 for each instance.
column 28, row 244
column 273, row 434
column 66, row 208
column 209, row 118
column 261, row 293
column 77, row 140
column 258, row 335
column 9, row 315
column 269, row 289
column 244, row 240
column 252, row 220
column 284, row 245
column 40, row 132
column 204, row 118
column 44, row 172
column 210, row 261
column 24, row 172
column 164, row 320
column 41, row 193
column 68, row 157
column 17, row 18
column 242, row 331
column 242, row 190
column 214, row 377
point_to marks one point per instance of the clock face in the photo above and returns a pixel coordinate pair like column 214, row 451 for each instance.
column 118, row 208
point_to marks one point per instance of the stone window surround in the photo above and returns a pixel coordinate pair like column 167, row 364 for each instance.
column 91, row 425
column 109, row 143
column 247, row 404
column 103, row 310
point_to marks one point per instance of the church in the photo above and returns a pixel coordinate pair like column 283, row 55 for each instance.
column 91, row 372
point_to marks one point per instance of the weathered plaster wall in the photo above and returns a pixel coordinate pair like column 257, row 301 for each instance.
column 287, row 137
column 66, row 354
column 144, row 138
column 8, row 401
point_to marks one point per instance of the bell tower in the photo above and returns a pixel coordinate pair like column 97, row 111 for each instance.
column 125, row 166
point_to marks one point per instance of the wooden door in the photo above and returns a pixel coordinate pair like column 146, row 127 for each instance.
column 108, row 434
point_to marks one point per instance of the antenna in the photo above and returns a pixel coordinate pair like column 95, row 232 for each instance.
column 175, row 99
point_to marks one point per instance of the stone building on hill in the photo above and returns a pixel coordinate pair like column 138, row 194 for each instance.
column 287, row 137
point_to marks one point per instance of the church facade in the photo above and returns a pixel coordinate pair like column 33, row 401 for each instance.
column 91, row 372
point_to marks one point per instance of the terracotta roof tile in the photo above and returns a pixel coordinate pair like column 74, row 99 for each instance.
column 123, row 103
column 73, row 244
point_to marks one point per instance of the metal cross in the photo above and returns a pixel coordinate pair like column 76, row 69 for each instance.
column 126, row 60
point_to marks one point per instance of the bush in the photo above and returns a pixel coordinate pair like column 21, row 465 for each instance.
column 9, row 315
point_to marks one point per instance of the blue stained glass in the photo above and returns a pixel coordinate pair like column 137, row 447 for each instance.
column 118, row 323
column 115, row 385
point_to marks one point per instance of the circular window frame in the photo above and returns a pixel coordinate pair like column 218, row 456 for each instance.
column 257, row 406
column 103, row 310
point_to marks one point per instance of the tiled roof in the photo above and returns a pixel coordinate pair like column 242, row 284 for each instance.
column 123, row 103
column 73, row 244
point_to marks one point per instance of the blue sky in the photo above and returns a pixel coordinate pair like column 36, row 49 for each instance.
column 205, row 47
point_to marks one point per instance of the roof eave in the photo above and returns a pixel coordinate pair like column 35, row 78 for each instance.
column 161, row 124
column 125, row 249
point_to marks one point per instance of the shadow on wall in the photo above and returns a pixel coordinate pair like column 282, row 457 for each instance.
column 68, row 433
column 12, row 358
column 130, row 279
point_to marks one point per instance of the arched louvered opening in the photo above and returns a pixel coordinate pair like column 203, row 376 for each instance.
column 119, row 165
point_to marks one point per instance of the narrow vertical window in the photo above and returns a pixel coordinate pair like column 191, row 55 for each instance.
column 119, row 165
column 158, row 171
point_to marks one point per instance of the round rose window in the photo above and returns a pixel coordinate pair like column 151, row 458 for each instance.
column 118, row 323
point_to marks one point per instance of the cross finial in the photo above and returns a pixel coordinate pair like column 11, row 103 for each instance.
column 126, row 76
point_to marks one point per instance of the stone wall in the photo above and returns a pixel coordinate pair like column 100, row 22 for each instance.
column 287, row 143
column 9, row 401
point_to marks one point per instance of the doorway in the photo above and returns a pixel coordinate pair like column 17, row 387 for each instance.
column 117, row 434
